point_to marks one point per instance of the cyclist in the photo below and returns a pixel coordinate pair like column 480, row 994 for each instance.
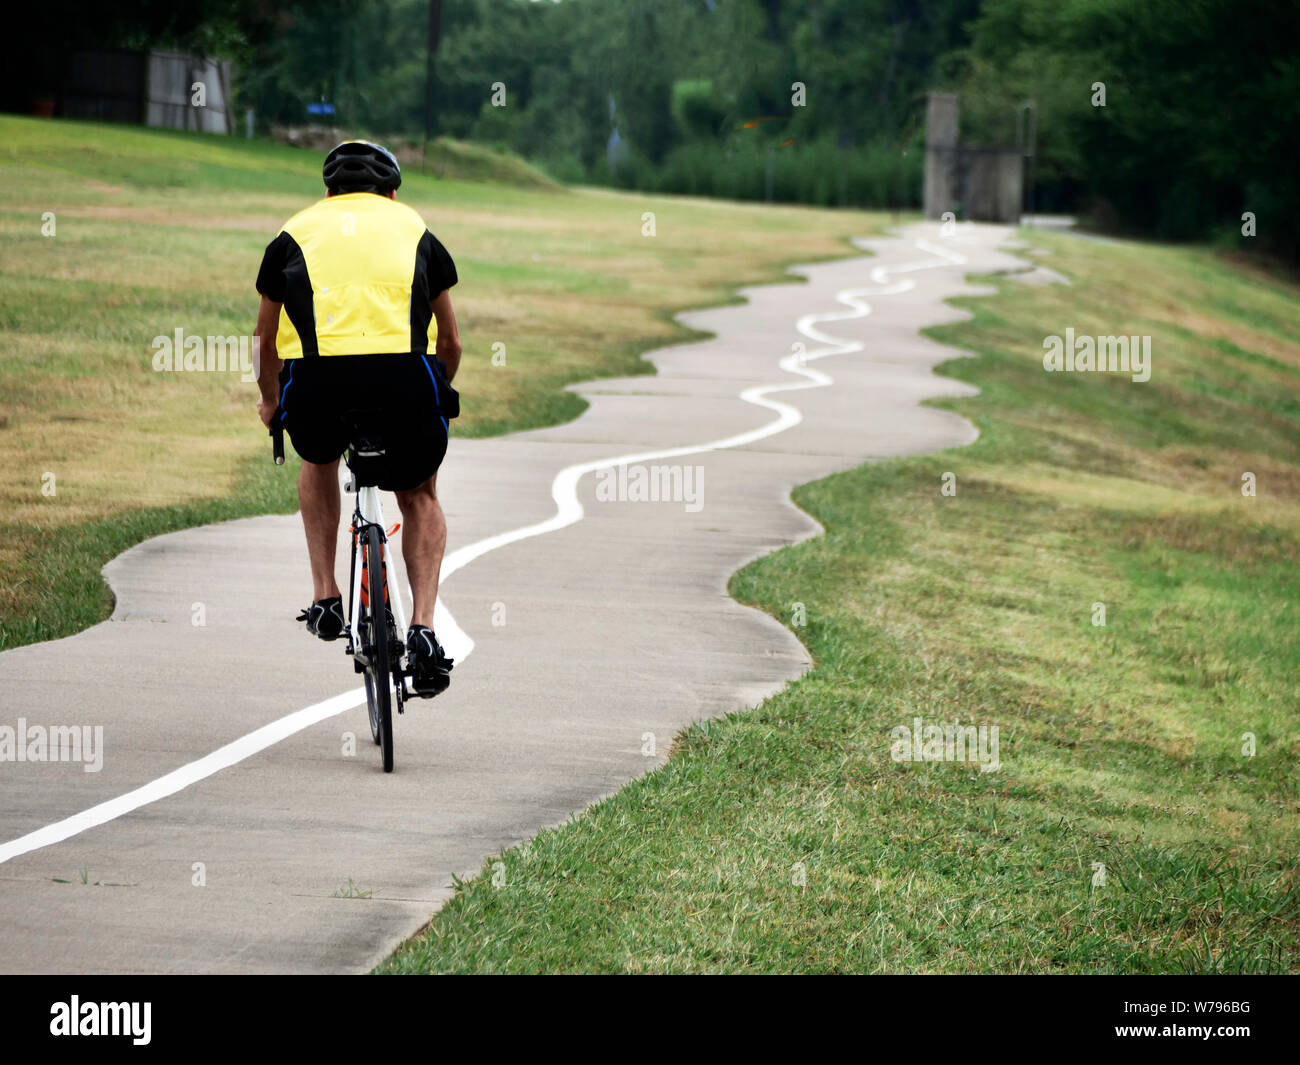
column 356, row 313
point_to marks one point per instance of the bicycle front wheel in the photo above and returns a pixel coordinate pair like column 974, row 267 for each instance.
column 370, row 697
column 379, row 692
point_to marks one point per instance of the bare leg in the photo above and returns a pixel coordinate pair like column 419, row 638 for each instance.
column 318, row 499
column 424, row 538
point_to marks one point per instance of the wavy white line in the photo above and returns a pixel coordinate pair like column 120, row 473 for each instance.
column 568, row 511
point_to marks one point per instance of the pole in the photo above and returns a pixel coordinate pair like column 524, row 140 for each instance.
column 1027, row 116
column 435, row 31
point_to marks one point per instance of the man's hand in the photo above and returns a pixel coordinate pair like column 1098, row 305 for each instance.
column 266, row 410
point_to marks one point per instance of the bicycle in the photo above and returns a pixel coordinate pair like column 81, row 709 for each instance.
column 373, row 635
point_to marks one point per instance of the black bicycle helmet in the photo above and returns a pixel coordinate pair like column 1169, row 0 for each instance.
column 360, row 166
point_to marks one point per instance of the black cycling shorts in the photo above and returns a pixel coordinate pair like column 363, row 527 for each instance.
column 407, row 396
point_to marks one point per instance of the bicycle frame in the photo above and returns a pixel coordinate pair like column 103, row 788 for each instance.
column 369, row 511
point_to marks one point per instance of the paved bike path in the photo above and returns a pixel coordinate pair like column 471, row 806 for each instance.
column 590, row 631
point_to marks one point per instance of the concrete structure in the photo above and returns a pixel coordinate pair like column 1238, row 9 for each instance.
column 983, row 184
column 151, row 88
column 170, row 92
column 941, row 112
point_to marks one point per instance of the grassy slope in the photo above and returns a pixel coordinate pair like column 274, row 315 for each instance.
column 1120, row 744
column 162, row 230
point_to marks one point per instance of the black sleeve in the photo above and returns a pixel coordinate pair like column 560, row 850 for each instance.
column 438, row 267
column 270, row 278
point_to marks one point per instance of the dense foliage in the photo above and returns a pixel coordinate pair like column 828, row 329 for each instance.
column 818, row 101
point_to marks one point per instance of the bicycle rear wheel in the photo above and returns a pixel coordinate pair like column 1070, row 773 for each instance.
column 379, row 692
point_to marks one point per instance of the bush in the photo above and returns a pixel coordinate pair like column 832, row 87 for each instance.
column 819, row 173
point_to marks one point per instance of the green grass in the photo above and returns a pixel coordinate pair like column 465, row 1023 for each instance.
column 786, row 839
column 158, row 230
column 465, row 161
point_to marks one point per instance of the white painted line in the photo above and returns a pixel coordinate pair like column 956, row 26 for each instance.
column 178, row 779
column 568, row 511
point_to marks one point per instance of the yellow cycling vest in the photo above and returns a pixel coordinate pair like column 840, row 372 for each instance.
column 354, row 275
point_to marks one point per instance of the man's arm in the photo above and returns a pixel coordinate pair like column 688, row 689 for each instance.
column 447, row 347
column 269, row 363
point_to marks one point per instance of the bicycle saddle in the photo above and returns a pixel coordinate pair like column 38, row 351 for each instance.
column 366, row 451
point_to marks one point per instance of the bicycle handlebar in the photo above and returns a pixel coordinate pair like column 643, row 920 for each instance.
column 277, row 438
